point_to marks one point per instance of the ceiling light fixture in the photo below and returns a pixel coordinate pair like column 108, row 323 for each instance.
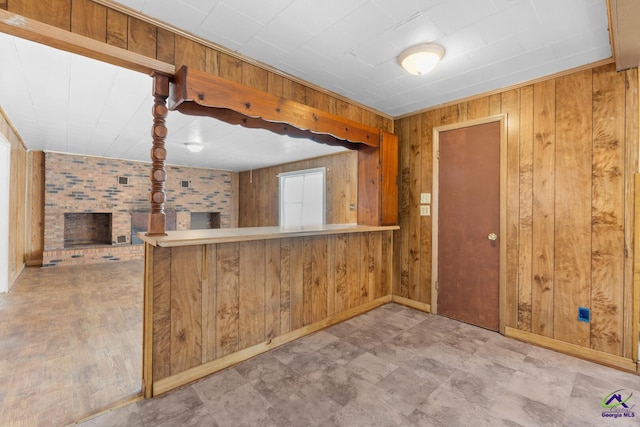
column 194, row 147
column 422, row 58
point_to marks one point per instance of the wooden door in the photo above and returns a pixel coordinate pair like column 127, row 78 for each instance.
column 469, row 224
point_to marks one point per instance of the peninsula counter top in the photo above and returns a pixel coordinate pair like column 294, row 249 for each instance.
column 226, row 235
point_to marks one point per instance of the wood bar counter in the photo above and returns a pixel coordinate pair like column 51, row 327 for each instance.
column 217, row 297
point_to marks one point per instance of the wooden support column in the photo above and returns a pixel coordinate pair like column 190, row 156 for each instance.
column 158, row 154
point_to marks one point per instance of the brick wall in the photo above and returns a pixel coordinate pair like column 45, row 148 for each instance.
column 76, row 184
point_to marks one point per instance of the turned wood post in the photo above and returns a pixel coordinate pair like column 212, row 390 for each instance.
column 158, row 154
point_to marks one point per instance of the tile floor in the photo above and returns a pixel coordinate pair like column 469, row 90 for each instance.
column 70, row 342
column 394, row 366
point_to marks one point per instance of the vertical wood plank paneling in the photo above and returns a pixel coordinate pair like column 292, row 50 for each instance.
column 340, row 267
column 543, row 208
column 573, row 206
column 510, row 105
column 430, row 120
column 607, row 212
column 404, row 191
column 478, row 108
column 166, row 46
column 212, row 63
column 353, row 269
column 89, row 19
column 251, row 308
column 296, row 265
column 227, row 298
column 285, row 283
column 230, row 67
column 255, row 77
column 631, row 167
column 525, row 220
column 319, row 285
column 209, row 303
column 275, row 84
column 190, row 53
column 386, row 263
column 272, row 289
column 141, row 37
column 496, row 103
column 365, row 269
column 161, row 348
column 307, row 280
column 186, row 307
column 415, row 174
column 52, row 12
column 117, row 29
column 375, row 264
column 35, row 198
column 331, row 275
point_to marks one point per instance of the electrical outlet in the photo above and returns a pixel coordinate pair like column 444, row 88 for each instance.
column 425, row 198
column 584, row 314
column 425, row 210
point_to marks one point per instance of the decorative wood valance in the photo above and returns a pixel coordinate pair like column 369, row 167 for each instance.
column 195, row 92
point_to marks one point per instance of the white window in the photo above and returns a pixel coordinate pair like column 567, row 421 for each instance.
column 302, row 198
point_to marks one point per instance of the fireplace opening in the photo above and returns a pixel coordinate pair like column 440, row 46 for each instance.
column 87, row 229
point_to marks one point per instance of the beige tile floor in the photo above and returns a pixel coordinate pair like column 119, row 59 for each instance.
column 394, row 366
column 70, row 342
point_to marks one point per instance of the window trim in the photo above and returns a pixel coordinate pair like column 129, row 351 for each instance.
column 281, row 175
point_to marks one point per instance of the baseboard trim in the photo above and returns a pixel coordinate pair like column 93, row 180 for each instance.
column 166, row 384
column 573, row 350
column 411, row 303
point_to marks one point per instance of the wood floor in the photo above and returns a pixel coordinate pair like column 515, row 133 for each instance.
column 70, row 342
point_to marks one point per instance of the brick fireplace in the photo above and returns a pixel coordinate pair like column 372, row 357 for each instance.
column 94, row 206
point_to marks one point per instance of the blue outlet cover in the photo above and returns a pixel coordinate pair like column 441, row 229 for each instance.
column 584, row 314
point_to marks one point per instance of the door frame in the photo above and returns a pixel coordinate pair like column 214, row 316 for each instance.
column 502, row 118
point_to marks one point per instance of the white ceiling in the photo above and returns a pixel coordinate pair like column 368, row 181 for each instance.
column 346, row 46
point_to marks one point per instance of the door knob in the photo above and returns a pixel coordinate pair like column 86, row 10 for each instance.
column 492, row 236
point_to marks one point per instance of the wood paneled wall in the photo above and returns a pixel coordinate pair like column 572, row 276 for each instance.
column 259, row 189
column 18, row 226
column 115, row 28
column 211, row 301
column 35, row 208
column 572, row 152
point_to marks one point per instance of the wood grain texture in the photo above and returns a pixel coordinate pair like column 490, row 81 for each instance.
column 51, row 12
column 341, row 258
column 89, row 19
column 272, row 289
column 35, row 198
column 430, row 120
column 285, row 286
column 251, row 319
column 543, row 208
column 631, row 293
column 227, row 310
column 141, row 37
column 402, row 248
column 415, row 189
column 607, row 210
column 510, row 105
column 354, row 285
column 319, row 272
column 209, row 303
column 117, row 29
column 189, row 53
column 525, row 216
column 186, row 307
column 477, row 108
column 166, row 46
column 572, row 206
column 259, row 190
column 296, row 282
column 161, row 313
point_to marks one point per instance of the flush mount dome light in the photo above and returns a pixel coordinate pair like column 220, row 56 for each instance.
column 421, row 59
column 194, row 147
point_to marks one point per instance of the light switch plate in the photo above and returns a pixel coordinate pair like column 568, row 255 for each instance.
column 425, row 198
column 425, row 210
